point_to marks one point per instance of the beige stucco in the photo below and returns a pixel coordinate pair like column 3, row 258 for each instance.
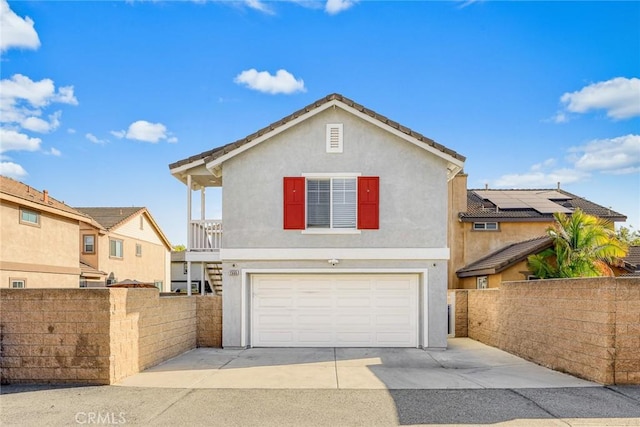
column 468, row 245
column 45, row 255
column 152, row 266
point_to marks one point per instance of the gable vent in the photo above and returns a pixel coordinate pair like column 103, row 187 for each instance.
column 334, row 138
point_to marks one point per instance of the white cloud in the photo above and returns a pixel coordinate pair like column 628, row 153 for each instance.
column 71, row 131
column 616, row 155
column 36, row 124
column 333, row 7
column 38, row 94
column 22, row 103
column 540, row 179
column 281, row 82
column 619, row 97
column 12, row 170
column 16, row 32
column 259, row 5
column 143, row 130
column 91, row 137
column 10, row 140
column 53, row 152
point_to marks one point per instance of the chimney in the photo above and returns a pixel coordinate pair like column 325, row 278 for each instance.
column 120, row 211
column 45, row 196
column 486, row 186
column 558, row 185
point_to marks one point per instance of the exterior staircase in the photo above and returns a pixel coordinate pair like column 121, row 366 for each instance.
column 214, row 274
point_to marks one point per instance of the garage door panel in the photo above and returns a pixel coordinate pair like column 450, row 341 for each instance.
column 335, row 310
column 314, row 338
column 275, row 338
column 354, row 302
column 319, row 302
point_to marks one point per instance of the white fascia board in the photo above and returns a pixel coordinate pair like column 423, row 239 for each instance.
column 449, row 158
column 308, row 254
column 204, row 256
column 270, row 134
column 177, row 172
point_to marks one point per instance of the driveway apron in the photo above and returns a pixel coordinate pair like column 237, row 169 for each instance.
column 466, row 364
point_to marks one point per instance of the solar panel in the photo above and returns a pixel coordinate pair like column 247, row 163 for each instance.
column 526, row 199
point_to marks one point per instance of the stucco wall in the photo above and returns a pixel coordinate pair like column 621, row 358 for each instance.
column 413, row 210
column 50, row 257
column 586, row 327
column 93, row 336
column 413, row 187
column 472, row 245
column 148, row 268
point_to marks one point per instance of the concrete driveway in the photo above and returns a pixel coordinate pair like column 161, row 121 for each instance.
column 467, row 364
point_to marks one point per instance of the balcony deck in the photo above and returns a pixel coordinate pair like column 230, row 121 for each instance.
column 205, row 240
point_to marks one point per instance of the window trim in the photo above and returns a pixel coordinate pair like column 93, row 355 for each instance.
column 138, row 249
column 331, row 229
column 111, row 239
column 84, row 244
column 26, row 222
column 484, row 228
column 13, row 280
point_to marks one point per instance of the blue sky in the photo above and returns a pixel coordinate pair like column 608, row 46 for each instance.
column 97, row 98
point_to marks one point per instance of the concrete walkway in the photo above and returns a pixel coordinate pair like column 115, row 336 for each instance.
column 467, row 364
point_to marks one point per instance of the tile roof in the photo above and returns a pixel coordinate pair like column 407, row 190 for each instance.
column 505, row 257
column 632, row 260
column 479, row 208
column 110, row 217
column 25, row 192
column 213, row 154
column 87, row 271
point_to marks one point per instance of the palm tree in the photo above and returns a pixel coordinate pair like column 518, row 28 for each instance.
column 583, row 246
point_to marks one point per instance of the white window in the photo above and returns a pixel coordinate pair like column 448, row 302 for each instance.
column 334, row 138
column 115, row 248
column 331, row 203
column 485, row 226
column 138, row 249
column 18, row 283
column 88, row 243
column 29, row 217
column 482, row 282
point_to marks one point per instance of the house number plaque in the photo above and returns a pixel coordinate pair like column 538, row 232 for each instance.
column 234, row 272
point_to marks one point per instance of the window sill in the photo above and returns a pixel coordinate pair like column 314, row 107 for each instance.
column 331, row 231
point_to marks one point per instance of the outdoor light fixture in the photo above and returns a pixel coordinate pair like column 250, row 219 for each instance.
column 333, row 261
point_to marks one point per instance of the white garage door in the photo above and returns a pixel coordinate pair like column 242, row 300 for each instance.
column 334, row 310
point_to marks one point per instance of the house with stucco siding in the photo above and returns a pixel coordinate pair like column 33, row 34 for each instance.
column 493, row 231
column 39, row 234
column 125, row 244
column 333, row 230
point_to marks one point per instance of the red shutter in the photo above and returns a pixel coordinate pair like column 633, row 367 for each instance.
column 368, row 202
column 294, row 203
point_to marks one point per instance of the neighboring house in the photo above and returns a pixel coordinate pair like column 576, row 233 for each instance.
column 124, row 243
column 211, row 272
column 487, row 225
column 506, row 264
column 39, row 238
column 335, row 230
column 630, row 264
